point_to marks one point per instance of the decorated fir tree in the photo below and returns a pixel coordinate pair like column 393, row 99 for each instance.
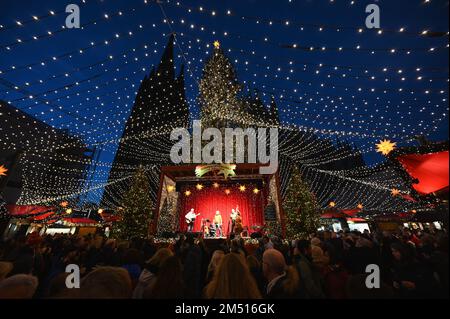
column 136, row 210
column 300, row 207
column 219, row 89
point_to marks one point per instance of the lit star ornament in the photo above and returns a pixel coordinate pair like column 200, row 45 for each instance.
column 385, row 147
column 395, row 192
column 3, row 170
column 217, row 44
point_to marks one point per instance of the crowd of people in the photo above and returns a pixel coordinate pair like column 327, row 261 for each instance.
column 326, row 265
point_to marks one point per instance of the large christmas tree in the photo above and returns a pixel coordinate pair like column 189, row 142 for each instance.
column 300, row 207
column 136, row 210
column 219, row 89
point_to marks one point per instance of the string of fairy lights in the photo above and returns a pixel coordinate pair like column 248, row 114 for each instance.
column 95, row 107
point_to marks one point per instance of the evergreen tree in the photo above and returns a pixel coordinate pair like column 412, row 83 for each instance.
column 166, row 218
column 136, row 211
column 300, row 207
column 219, row 89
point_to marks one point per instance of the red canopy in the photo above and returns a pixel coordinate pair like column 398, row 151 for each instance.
column 80, row 221
column 430, row 169
column 340, row 213
column 335, row 214
column 43, row 216
column 17, row 210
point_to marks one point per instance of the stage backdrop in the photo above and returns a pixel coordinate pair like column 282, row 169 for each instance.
column 208, row 200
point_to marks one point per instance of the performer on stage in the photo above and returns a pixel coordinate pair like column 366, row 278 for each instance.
column 190, row 219
column 238, row 228
column 218, row 223
column 207, row 229
column 233, row 217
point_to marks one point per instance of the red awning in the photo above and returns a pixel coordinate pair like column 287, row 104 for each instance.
column 18, row 210
column 43, row 216
column 357, row 220
column 430, row 169
column 334, row 215
column 80, row 221
column 351, row 212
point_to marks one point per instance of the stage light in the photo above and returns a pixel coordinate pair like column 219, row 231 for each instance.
column 100, row 211
column 414, row 211
column 216, row 185
column 227, row 191
column 332, row 204
column 199, row 187
column 255, row 190
column 170, row 188
column 360, row 206
column 187, row 193
column 242, row 188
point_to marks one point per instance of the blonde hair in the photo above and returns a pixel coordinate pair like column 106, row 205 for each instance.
column 232, row 280
column 160, row 256
column 215, row 260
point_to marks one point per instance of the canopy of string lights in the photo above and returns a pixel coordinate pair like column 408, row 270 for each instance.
column 83, row 108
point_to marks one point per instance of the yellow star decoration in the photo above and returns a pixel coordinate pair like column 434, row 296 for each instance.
column 217, row 44
column 360, row 206
column 395, row 192
column 199, row 187
column 385, row 147
column 332, row 204
column 242, row 188
column 3, row 170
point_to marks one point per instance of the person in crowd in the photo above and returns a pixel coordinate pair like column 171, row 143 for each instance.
column 132, row 261
column 335, row 277
column 58, row 288
column 150, row 272
column 192, row 259
column 255, row 268
column 232, row 280
column 169, row 282
column 410, row 278
column 267, row 243
column 105, row 283
column 309, row 274
column 319, row 259
column 283, row 281
column 357, row 289
column 214, row 263
column 20, row 286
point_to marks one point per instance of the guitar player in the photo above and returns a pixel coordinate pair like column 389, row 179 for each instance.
column 190, row 219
